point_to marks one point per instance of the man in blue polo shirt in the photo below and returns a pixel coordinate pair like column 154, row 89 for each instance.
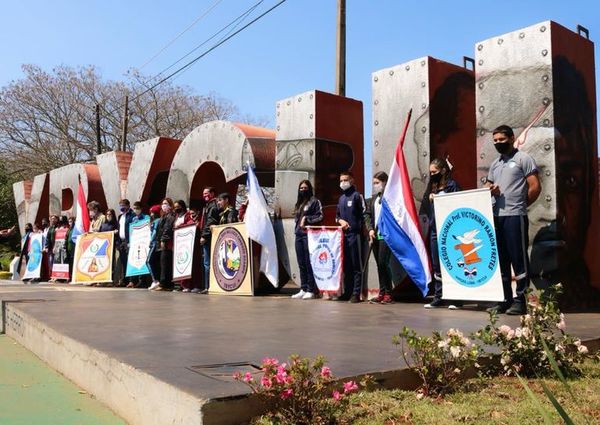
column 514, row 183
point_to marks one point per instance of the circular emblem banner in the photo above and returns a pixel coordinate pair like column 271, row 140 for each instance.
column 230, row 259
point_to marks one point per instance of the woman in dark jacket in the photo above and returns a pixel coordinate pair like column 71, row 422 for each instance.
column 111, row 225
column 440, row 181
column 308, row 210
column 164, row 237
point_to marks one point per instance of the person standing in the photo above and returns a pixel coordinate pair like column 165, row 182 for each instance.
column 70, row 245
column 137, row 281
column 49, row 243
column 514, row 184
column 164, row 236
column 122, row 241
column 350, row 216
column 210, row 217
column 96, row 217
column 183, row 217
column 111, row 224
column 227, row 213
column 440, row 181
column 153, row 261
column 381, row 251
column 308, row 210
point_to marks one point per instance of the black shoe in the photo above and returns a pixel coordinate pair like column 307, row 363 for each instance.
column 517, row 309
column 436, row 303
column 499, row 308
column 355, row 299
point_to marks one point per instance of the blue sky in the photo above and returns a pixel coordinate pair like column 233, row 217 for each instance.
column 288, row 52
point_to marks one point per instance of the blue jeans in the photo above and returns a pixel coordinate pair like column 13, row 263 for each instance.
column 307, row 278
column 206, row 262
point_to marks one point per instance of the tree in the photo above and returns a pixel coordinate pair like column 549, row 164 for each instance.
column 48, row 119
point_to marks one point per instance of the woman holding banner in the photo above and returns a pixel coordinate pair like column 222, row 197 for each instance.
column 164, row 237
column 440, row 181
column 308, row 210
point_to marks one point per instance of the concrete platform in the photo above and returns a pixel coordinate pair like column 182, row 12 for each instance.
column 158, row 358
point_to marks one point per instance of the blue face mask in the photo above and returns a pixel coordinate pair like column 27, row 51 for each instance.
column 123, row 208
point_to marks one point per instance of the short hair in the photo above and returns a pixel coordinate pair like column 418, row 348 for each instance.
column 381, row 176
column 504, row 129
column 210, row 189
column 124, row 201
column 347, row 173
column 137, row 204
column 93, row 205
column 225, row 195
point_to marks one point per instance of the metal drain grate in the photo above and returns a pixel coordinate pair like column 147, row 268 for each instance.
column 224, row 371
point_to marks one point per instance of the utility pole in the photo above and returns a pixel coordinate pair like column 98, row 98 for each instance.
column 98, row 138
column 340, row 63
column 125, row 123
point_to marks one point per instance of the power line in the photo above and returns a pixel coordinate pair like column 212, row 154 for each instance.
column 166, row 46
column 197, row 58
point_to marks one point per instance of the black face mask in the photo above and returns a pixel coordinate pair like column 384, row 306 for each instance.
column 435, row 178
column 178, row 210
column 303, row 194
column 503, row 148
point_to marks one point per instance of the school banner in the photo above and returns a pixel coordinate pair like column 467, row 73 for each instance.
column 34, row 264
column 231, row 269
column 60, row 266
column 326, row 249
column 467, row 246
column 183, row 252
column 93, row 258
column 139, row 247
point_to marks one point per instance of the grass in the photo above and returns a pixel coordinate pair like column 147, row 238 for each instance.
column 485, row 402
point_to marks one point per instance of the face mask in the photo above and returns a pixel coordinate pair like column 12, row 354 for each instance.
column 178, row 210
column 345, row 185
column 435, row 178
column 378, row 188
column 123, row 208
column 303, row 194
column 165, row 207
column 502, row 148
column 137, row 211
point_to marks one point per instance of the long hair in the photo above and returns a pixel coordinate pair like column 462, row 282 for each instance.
column 442, row 165
column 170, row 202
column 301, row 201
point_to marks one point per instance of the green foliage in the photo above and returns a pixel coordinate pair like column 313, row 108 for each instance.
column 522, row 350
column 8, row 211
column 440, row 361
column 301, row 391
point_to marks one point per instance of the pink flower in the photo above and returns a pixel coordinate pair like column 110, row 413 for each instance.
column 504, row 329
column 325, row 372
column 281, row 377
column 287, row 393
column 248, row 377
column 337, row 396
column 270, row 361
column 266, row 382
column 350, row 386
column 237, row 375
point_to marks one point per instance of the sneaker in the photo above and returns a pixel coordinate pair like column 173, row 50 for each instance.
column 387, row 299
column 308, row 296
column 204, row 291
column 454, row 306
column 517, row 309
column 195, row 291
column 436, row 303
column 377, row 300
column 355, row 299
column 185, row 290
column 499, row 308
column 154, row 286
column 299, row 295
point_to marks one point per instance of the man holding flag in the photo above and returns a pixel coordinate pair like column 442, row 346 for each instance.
column 398, row 221
column 260, row 228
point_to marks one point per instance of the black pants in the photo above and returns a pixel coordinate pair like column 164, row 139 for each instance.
column 383, row 257
column 307, row 278
column 166, row 269
column 352, row 265
column 435, row 265
column 123, row 254
column 513, row 240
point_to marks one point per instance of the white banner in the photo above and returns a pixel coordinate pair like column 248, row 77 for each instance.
column 139, row 246
column 325, row 246
column 183, row 252
column 467, row 246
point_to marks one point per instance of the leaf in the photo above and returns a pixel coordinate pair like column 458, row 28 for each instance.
column 556, row 369
column 557, row 405
column 545, row 414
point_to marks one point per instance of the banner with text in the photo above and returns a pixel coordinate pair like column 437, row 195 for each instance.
column 467, row 246
column 93, row 258
column 325, row 247
column 60, row 265
column 139, row 246
column 183, row 252
column 34, row 262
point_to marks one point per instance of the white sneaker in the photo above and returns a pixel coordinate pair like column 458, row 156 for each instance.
column 308, row 296
column 454, row 307
column 185, row 290
column 154, row 286
column 299, row 295
column 195, row 290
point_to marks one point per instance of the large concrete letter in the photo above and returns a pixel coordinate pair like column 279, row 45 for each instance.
column 114, row 169
column 31, row 200
column 64, row 183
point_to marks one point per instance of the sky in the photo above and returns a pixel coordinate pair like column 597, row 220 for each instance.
column 289, row 51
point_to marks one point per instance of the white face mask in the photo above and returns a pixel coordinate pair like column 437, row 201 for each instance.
column 377, row 188
column 165, row 208
column 345, row 185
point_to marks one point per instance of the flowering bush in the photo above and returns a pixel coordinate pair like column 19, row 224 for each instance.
column 440, row 361
column 522, row 350
column 302, row 391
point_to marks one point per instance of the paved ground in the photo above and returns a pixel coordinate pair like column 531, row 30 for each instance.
column 169, row 334
column 32, row 393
